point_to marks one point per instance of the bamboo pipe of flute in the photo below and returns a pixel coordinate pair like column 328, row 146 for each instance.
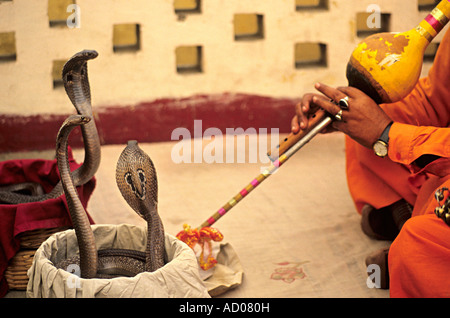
column 314, row 120
column 316, row 124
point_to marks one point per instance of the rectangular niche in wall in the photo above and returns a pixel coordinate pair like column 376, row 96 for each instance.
column 187, row 6
column 368, row 23
column 248, row 26
column 7, row 46
column 126, row 37
column 57, row 12
column 427, row 5
column 430, row 52
column 309, row 54
column 189, row 59
column 301, row 5
column 57, row 68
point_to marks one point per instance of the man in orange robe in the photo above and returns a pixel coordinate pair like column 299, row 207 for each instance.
column 417, row 165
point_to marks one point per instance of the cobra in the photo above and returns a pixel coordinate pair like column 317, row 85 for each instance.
column 137, row 182
column 76, row 84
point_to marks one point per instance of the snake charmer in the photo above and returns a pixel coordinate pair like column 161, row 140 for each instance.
column 398, row 173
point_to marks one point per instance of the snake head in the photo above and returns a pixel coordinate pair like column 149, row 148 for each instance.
column 136, row 179
column 75, row 120
column 66, row 127
column 75, row 76
column 77, row 63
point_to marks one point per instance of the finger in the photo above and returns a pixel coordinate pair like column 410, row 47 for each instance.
column 348, row 91
column 335, row 126
column 330, row 128
column 302, row 109
column 310, row 106
column 329, row 91
column 304, row 106
column 328, row 106
column 295, row 125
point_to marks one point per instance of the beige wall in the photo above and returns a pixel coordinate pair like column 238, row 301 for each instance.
column 263, row 67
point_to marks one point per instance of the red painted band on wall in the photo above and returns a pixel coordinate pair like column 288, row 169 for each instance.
column 152, row 121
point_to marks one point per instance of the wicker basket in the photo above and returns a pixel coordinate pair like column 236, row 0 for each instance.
column 16, row 272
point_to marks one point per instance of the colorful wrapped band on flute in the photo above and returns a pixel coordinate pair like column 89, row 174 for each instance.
column 241, row 194
column 435, row 21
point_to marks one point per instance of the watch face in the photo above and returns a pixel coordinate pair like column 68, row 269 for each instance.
column 380, row 148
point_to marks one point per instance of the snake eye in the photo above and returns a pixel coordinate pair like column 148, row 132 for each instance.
column 129, row 181
column 141, row 175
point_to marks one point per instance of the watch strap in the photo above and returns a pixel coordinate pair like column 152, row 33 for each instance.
column 385, row 134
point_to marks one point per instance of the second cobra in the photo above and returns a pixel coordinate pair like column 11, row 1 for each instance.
column 136, row 179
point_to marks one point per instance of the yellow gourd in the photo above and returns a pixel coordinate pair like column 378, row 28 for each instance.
column 386, row 66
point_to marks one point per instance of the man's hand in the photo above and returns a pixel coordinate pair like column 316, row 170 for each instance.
column 303, row 109
column 364, row 121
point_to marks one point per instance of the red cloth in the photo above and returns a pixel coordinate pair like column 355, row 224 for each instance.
column 18, row 218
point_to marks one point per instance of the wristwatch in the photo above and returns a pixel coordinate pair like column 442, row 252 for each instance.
column 380, row 147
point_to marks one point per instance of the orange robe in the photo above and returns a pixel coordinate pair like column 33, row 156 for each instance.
column 420, row 255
